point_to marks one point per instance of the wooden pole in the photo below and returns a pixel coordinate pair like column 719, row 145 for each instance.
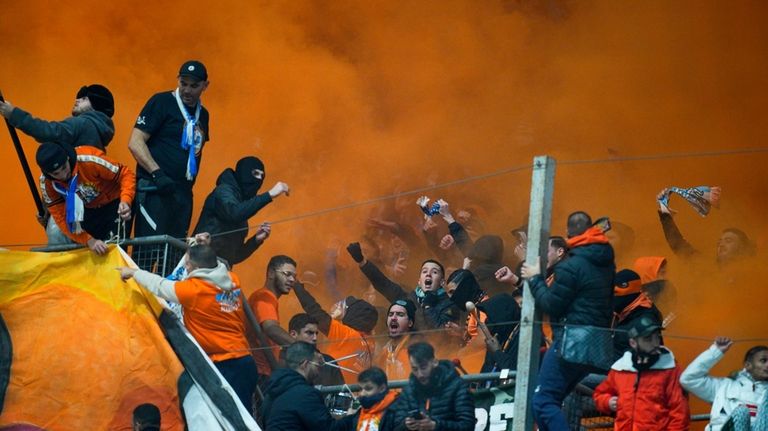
column 539, row 221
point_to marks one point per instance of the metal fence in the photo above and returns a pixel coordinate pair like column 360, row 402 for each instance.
column 159, row 254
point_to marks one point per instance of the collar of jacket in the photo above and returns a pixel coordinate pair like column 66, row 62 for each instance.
column 666, row 361
column 593, row 235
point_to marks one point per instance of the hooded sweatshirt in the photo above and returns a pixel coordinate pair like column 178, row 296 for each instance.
column 662, row 292
column 228, row 209
column 92, row 128
column 212, row 302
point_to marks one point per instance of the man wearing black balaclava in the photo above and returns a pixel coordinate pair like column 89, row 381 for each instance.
column 229, row 206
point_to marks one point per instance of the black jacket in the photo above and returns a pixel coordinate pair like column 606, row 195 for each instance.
column 582, row 290
column 450, row 403
column 292, row 404
column 432, row 312
column 92, row 128
column 226, row 209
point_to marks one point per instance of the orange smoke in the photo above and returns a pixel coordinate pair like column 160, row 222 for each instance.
column 347, row 101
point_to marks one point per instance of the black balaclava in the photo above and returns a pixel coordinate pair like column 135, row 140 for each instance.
column 250, row 175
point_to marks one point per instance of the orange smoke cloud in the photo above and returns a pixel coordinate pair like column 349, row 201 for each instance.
column 346, row 101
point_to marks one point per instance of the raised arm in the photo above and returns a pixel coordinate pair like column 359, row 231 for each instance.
column 311, row 307
column 41, row 130
column 696, row 378
column 391, row 290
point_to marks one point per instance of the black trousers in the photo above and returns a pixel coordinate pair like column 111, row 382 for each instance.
column 160, row 214
column 101, row 222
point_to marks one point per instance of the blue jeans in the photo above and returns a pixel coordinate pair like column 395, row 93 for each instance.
column 242, row 375
column 556, row 379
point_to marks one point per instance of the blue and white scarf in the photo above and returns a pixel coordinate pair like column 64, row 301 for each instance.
column 191, row 140
column 74, row 204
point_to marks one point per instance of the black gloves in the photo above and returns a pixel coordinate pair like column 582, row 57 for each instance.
column 165, row 185
column 356, row 252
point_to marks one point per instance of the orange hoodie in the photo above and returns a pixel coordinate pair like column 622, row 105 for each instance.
column 101, row 180
column 370, row 419
column 648, row 268
column 593, row 235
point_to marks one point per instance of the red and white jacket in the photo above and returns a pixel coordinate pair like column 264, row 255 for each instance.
column 650, row 400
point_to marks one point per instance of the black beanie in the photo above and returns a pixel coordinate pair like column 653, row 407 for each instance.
column 246, row 173
column 467, row 288
column 360, row 315
column 410, row 308
column 100, row 97
column 51, row 156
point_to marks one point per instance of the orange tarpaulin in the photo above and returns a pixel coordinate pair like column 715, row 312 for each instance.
column 86, row 346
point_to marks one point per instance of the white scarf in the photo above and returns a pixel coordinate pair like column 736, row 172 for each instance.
column 191, row 140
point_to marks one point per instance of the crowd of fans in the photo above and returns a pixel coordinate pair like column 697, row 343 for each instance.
column 600, row 320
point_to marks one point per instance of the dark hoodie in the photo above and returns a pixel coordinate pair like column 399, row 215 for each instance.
column 503, row 320
column 292, row 404
column 582, row 289
column 92, row 128
column 446, row 399
column 227, row 208
column 487, row 255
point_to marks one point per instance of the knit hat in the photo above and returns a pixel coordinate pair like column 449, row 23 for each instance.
column 360, row 315
column 410, row 308
column 467, row 288
column 626, row 282
column 194, row 69
column 51, row 156
column 100, row 97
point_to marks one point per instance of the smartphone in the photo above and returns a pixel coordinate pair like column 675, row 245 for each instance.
column 416, row 414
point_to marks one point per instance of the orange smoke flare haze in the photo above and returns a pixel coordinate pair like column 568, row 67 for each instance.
column 347, row 101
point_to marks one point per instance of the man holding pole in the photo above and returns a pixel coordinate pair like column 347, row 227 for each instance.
column 580, row 295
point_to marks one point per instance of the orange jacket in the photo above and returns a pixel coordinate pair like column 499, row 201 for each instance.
column 648, row 267
column 101, row 180
column 344, row 341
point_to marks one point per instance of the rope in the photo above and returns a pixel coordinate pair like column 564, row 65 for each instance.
column 474, row 178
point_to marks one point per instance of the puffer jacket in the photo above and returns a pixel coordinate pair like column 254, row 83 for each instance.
column 92, row 128
column 446, row 400
column 292, row 404
column 225, row 210
column 582, row 290
column 724, row 393
column 647, row 401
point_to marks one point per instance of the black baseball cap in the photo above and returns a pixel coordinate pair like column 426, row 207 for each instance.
column 644, row 326
column 194, row 69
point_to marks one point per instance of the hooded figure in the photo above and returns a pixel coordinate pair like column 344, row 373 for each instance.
column 630, row 304
column 230, row 205
column 92, row 127
column 652, row 271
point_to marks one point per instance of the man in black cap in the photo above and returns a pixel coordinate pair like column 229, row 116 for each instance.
column 90, row 124
column 85, row 192
column 167, row 143
column 229, row 206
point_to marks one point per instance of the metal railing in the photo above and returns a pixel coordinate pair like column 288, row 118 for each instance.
column 159, row 254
